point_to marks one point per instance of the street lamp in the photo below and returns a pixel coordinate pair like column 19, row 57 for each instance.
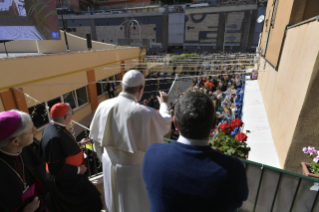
column 132, row 23
column 65, row 36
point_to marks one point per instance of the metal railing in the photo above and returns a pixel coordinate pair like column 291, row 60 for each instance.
column 273, row 189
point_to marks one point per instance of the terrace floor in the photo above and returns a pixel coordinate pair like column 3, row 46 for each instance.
column 255, row 118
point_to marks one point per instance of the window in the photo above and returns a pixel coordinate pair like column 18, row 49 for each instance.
column 81, row 95
column 118, row 78
column 120, row 28
column 99, row 88
column 272, row 23
column 70, row 98
column 53, row 102
column 39, row 115
column 103, row 41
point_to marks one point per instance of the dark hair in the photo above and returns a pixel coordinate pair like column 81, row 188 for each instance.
column 195, row 115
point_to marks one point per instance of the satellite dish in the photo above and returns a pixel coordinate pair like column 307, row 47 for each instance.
column 261, row 19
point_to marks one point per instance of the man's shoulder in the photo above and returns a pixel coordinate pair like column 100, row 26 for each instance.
column 156, row 148
column 227, row 160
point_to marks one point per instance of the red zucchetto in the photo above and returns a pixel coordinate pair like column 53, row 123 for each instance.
column 59, row 110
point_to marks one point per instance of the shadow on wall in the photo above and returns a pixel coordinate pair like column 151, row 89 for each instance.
column 76, row 44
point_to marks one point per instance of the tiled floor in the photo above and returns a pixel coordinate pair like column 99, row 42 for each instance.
column 255, row 118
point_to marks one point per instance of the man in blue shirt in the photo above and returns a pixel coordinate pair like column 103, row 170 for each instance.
column 188, row 175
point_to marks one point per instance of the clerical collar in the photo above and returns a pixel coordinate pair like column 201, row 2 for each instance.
column 194, row 142
column 59, row 124
column 129, row 96
column 10, row 154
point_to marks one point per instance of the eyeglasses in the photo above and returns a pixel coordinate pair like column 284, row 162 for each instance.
column 34, row 131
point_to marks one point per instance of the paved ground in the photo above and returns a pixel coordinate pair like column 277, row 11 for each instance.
column 255, row 118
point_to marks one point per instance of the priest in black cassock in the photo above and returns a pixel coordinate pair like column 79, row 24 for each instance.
column 66, row 171
column 20, row 167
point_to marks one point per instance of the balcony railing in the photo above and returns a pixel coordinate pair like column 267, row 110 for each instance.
column 272, row 189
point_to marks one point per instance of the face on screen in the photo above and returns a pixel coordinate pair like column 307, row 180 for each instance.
column 28, row 20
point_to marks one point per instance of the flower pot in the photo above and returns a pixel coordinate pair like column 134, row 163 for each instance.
column 245, row 157
column 305, row 170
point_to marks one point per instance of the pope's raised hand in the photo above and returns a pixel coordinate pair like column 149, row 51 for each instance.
column 163, row 97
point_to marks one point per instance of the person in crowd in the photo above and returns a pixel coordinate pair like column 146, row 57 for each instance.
column 228, row 93
column 66, row 171
column 233, row 97
column 233, row 109
column 237, row 82
column 226, row 103
column 174, row 68
column 212, row 96
column 21, row 168
column 220, row 86
column 145, row 102
column 254, row 75
column 110, row 87
column 200, row 82
column 219, row 102
column 195, row 81
column 151, row 101
column 188, row 175
column 123, row 130
column 226, row 115
column 171, row 106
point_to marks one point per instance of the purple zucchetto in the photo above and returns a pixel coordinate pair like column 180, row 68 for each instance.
column 9, row 123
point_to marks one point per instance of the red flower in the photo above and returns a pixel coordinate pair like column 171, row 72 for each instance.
column 241, row 137
column 226, row 128
column 236, row 123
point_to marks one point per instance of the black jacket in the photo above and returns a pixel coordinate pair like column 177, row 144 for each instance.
column 108, row 86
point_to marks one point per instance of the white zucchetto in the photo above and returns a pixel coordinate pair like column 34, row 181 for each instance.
column 133, row 78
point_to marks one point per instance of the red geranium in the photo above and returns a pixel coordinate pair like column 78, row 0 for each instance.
column 226, row 128
column 236, row 123
column 241, row 137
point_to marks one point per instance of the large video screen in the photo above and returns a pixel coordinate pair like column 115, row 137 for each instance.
column 28, row 20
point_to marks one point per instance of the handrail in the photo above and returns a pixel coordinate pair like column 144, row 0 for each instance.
column 267, row 167
column 304, row 22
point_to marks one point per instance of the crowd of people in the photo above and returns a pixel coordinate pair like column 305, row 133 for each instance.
column 222, row 90
column 140, row 172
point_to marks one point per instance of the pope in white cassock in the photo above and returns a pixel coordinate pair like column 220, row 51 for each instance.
column 122, row 130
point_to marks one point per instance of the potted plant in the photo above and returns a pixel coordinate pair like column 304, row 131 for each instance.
column 311, row 169
column 230, row 143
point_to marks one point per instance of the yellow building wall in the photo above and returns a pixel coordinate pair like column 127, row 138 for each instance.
column 21, row 71
column 1, row 106
column 56, row 87
column 284, row 91
column 277, row 32
column 130, row 64
column 82, row 112
column 107, row 71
